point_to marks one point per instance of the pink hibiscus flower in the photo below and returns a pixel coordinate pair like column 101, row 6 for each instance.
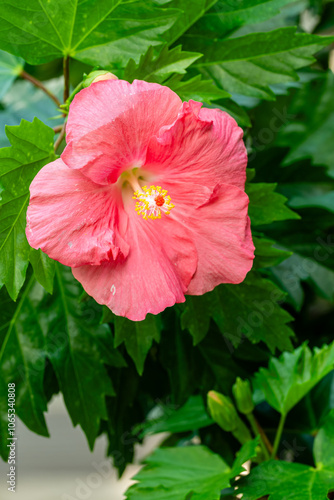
column 147, row 202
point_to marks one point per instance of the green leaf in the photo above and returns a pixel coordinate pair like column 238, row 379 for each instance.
column 190, row 13
column 323, row 200
column 310, row 133
column 310, row 241
column 180, row 472
column 324, row 443
column 247, row 452
column 106, row 345
column 195, row 316
column 226, row 17
column 187, row 472
column 266, row 206
column 198, row 311
column 233, row 109
column 67, row 332
column 191, row 416
column 282, row 480
column 22, row 361
column 10, row 68
column 289, row 15
column 174, row 62
column 197, row 89
column 251, row 310
column 71, row 330
column 249, row 64
column 32, row 147
column 44, row 268
column 123, row 415
column 179, row 359
column 290, row 273
column 290, row 377
column 97, row 32
column 219, row 360
column 266, row 255
column 157, row 69
column 137, row 336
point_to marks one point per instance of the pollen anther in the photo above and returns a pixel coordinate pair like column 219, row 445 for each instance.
column 152, row 201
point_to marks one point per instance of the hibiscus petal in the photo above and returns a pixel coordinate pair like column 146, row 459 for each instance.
column 221, row 232
column 110, row 124
column 203, row 146
column 72, row 219
column 161, row 262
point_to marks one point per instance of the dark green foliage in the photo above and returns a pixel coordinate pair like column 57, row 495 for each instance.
column 137, row 336
column 22, row 335
column 274, row 330
column 310, row 133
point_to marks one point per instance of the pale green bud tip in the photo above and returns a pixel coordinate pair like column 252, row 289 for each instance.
column 243, row 396
column 97, row 76
column 222, row 411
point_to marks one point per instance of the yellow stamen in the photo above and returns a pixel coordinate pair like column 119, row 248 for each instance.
column 152, row 201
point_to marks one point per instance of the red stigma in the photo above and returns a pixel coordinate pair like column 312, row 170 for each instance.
column 159, row 200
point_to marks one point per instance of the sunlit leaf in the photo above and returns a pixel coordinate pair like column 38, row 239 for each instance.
column 248, row 65
column 96, row 31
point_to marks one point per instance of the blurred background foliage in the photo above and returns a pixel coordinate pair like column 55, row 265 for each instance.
column 128, row 379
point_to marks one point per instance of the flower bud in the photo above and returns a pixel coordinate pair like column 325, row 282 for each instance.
column 243, row 396
column 225, row 415
column 222, row 411
column 97, row 76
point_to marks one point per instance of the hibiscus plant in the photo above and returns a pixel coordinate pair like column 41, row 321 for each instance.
column 166, row 237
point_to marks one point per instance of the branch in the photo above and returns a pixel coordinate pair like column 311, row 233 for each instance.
column 40, row 85
column 60, row 137
column 258, row 431
column 57, row 129
column 264, row 436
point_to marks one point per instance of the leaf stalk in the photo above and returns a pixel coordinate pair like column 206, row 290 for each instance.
column 66, row 70
column 278, row 435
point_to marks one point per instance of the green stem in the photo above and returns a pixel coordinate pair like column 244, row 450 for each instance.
column 278, row 435
column 242, row 433
column 66, row 69
column 255, row 429
column 39, row 85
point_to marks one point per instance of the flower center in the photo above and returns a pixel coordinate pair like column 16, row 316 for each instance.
column 152, row 201
column 159, row 200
